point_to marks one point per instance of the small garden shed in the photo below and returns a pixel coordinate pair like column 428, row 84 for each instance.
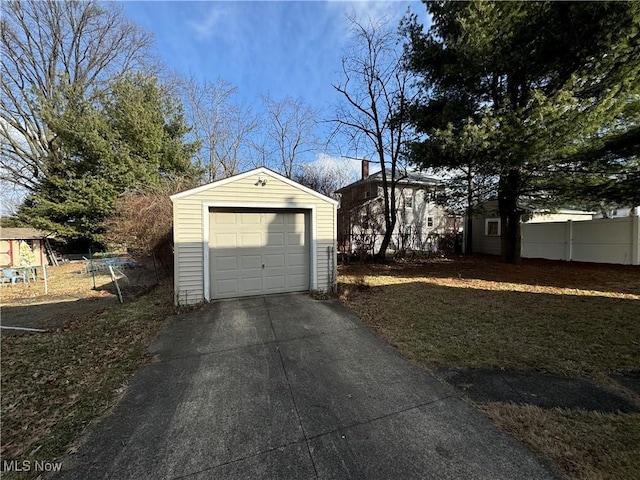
column 20, row 247
column 254, row 233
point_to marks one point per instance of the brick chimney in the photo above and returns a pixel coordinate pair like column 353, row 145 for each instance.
column 365, row 169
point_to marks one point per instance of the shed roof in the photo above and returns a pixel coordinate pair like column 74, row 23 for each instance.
column 20, row 233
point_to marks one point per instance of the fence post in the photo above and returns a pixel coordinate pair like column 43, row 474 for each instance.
column 46, row 279
column 155, row 267
column 115, row 282
column 635, row 240
column 568, row 250
column 93, row 270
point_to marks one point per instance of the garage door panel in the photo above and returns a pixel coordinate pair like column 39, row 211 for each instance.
column 255, row 253
column 224, row 218
column 297, row 260
column 249, row 262
column 299, row 281
column 275, row 218
column 275, row 282
column 250, row 219
column 275, row 239
column 275, row 260
column 226, row 240
column 226, row 287
column 297, row 222
column 250, row 240
column 251, row 285
column 225, row 264
column 296, row 239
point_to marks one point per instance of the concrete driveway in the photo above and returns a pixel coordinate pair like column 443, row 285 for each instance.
column 286, row 387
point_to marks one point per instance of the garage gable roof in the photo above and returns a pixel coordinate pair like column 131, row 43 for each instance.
column 255, row 171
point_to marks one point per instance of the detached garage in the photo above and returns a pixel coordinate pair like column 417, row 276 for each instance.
column 255, row 233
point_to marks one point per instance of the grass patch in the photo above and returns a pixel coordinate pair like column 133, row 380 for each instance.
column 55, row 384
column 64, row 282
column 564, row 318
column 452, row 313
column 584, row 445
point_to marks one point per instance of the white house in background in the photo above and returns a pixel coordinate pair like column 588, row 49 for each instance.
column 487, row 226
column 618, row 212
column 420, row 221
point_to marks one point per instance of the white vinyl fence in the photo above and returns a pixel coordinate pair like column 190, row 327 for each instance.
column 606, row 240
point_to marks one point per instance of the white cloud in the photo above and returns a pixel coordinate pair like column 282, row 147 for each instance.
column 324, row 159
column 376, row 9
column 352, row 168
column 206, row 26
column 372, row 10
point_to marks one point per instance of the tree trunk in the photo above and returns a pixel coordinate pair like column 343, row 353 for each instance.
column 389, row 195
column 386, row 240
column 388, row 227
column 389, row 222
column 468, row 228
column 510, row 217
column 510, row 238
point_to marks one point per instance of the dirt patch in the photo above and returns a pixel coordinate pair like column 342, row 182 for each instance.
column 70, row 296
column 631, row 380
column 51, row 315
column 73, row 292
column 531, row 388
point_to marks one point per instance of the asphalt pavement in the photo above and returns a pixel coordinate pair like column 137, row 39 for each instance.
column 287, row 387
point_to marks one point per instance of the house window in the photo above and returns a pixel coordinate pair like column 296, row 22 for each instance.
column 429, row 221
column 408, row 201
column 492, row 227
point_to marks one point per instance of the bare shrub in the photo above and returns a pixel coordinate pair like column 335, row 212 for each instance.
column 143, row 220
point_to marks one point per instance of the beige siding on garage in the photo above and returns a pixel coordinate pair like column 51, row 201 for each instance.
column 188, row 213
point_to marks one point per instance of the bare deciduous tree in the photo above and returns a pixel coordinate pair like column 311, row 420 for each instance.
column 289, row 132
column 325, row 178
column 375, row 91
column 221, row 126
column 45, row 45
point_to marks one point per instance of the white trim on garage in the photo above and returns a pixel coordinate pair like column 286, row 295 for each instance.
column 207, row 206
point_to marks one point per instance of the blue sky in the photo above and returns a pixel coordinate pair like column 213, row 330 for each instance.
column 278, row 48
column 275, row 48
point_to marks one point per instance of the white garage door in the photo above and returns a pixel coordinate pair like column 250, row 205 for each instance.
column 258, row 252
